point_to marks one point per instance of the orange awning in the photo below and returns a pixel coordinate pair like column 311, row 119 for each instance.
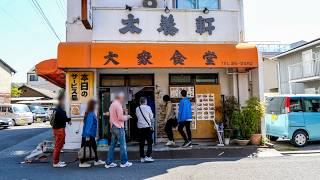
column 156, row 55
column 48, row 70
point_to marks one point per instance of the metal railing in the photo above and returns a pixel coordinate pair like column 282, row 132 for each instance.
column 304, row 70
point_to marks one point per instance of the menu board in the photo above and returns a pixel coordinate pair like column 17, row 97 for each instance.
column 175, row 92
column 193, row 108
column 205, row 106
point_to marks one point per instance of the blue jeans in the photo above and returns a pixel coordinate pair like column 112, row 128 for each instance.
column 118, row 134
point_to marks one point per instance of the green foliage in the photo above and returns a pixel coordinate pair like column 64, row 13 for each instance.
column 230, row 105
column 15, row 91
column 247, row 120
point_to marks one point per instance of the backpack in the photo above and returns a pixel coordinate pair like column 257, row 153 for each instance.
column 52, row 118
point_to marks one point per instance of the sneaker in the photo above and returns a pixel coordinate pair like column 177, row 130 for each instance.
column 127, row 164
column 148, row 159
column 62, row 162
column 97, row 163
column 112, row 165
column 170, row 143
column 184, row 144
column 59, row 165
column 142, row 160
column 187, row 144
column 84, row 165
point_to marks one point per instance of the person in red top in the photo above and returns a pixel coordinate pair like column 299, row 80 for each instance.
column 58, row 126
column 117, row 119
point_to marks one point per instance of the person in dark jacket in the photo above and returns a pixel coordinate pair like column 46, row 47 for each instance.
column 89, row 133
column 185, row 118
column 59, row 124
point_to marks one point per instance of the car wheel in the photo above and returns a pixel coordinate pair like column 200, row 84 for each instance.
column 29, row 123
column 300, row 138
column 274, row 138
column 14, row 122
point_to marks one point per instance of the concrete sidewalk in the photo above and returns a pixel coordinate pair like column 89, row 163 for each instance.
column 200, row 149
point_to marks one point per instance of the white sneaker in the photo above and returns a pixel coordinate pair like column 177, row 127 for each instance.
column 127, row 164
column 148, row 159
column 62, row 162
column 59, row 165
column 112, row 165
column 170, row 143
column 99, row 162
column 142, row 160
column 84, row 165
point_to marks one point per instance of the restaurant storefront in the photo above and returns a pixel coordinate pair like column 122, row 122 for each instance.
column 142, row 60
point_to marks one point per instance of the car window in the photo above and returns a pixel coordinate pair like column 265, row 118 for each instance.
column 295, row 105
column 21, row 109
column 311, row 104
column 275, row 105
column 3, row 109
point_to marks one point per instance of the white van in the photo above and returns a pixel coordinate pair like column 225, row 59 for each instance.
column 19, row 114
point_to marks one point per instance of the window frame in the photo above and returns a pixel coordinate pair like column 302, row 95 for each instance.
column 176, row 5
column 304, row 104
column 35, row 77
column 193, row 80
column 301, row 104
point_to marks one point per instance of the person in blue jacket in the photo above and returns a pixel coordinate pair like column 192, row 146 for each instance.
column 89, row 133
column 185, row 118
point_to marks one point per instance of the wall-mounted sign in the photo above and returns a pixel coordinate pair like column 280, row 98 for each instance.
column 86, row 13
column 156, row 25
column 156, row 55
column 81, row 86
column 80, row 91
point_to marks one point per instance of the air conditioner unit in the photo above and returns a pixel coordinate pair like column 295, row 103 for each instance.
column 150, row 3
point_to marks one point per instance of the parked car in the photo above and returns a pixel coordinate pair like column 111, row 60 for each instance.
column 19, row 114
column 5, row 122
column 39, row 113
column 294, row 117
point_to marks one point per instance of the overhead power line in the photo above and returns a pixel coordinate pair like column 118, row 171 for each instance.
column 43, row 15
column 61, row 8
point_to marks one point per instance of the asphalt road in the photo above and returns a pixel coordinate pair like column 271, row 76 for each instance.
column 290, row 168
column 14, row 135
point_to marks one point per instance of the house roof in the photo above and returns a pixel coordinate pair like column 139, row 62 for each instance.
column 303, row 46
column 7, row 66
column 45, row 92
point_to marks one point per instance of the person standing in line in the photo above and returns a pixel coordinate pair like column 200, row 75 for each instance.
column 89, row 132
column 145, row 122
column 58, row 122
column 185, row 118
column 117, row 119
column 170, row 120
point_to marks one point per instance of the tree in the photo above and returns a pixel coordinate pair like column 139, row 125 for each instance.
column 15, row 91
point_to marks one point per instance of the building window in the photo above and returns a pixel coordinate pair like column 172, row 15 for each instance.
column 33, row 77
column 197, row 4
column 193, row 79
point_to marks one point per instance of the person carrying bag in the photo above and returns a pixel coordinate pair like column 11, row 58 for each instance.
column 145, row 118
column 88, row 149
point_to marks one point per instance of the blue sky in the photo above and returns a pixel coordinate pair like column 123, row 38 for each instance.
column 26, row 39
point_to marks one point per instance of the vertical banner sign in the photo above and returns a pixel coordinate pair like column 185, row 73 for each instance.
column 80, row 91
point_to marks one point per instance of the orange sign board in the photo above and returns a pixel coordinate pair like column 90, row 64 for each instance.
column 158, row 55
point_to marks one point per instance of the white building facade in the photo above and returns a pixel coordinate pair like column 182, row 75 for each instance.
column 153, row 48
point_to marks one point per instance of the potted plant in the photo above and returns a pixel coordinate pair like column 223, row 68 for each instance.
column 227, row 137
column 230, row 104
column 254, row 111
column 238, row 122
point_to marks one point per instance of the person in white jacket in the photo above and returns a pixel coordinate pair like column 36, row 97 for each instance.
column 145, row 126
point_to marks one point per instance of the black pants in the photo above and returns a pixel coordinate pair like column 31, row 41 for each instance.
column 186, row 124
column 171, row 123
column 145, row 134
column 93, row 144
